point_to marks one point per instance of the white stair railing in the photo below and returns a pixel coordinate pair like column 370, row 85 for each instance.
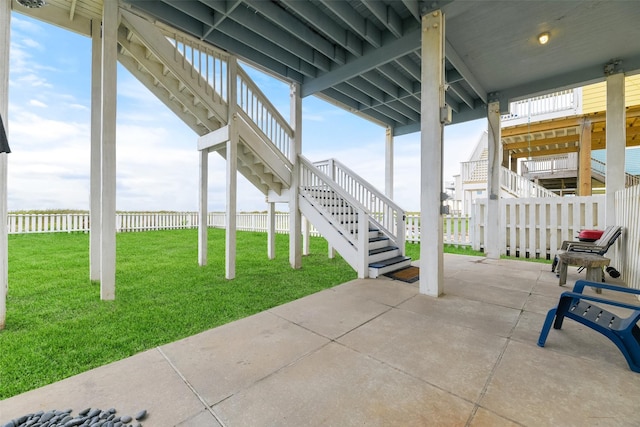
column 522, row 187
column 386, row 214
column 519, row 186
column 601, row 168
column 209, row 63
column 348, row 218
column 258, row 109
column 211, row 66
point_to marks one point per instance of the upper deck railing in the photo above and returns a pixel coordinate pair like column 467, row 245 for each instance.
column 544, row 107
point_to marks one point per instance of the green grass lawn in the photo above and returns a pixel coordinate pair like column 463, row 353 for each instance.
column 57, row 326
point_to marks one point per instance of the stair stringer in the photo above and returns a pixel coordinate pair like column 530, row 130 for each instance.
column 155, row 62
column 153, row 43
column 329, row 230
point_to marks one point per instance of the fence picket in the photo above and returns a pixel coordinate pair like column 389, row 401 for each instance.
column 533, row 227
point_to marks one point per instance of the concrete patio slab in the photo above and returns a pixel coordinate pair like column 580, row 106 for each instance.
column 537, row 387
column 330, row 313
column 405, row 340
column 220, row 362
column 469, row 313
column 484, row 418
column 341, row 387
column 144, row 381
column 384, row 290
column 481, row 289
column 376, row 352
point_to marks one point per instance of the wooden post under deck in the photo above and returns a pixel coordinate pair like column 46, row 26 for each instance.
column 584, row 160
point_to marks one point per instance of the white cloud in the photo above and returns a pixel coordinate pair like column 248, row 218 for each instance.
column 36, row 103
column 31, row 43
column 25, row 25
column 157, row 159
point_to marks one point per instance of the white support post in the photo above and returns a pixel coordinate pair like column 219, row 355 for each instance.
column 203, row 203
column 295, row 218
column 271, row 230
column 432, row 100
column 96, row 154
column 108, row 167
column 363, row 245
column 331, row 252
column 388, row 166
column 5, row 39
column 616, row 141
column 494, row 164
column 305, row 236
column 232, row 173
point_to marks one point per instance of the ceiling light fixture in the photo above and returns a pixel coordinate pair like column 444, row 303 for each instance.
column 544, row 38
column 34, row 4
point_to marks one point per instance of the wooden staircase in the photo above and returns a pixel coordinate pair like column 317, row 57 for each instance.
column 335, row 199
column 193, row 80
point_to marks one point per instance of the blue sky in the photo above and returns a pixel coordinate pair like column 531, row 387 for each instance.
column 157, row 159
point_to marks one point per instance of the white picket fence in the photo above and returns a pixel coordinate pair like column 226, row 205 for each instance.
column 531, row 228
column 627, row 258
column 456, row 226
column 536, row 227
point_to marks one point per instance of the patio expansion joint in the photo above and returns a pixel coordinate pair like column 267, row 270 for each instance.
column 483, row 392
column 190, row 386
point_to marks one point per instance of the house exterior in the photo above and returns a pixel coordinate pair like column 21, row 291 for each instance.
column 548, row 153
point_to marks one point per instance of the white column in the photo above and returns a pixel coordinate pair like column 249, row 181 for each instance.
column 295, row 218
column 616, row 142
column 203, row 210
column 388, row 164
column 305, row 236
column 96, row 154
column 5, row 39
column 331, row 251
column 232, row 174
column 108, row 167
column 494, row 163
column 432, row 100
column 271, row 230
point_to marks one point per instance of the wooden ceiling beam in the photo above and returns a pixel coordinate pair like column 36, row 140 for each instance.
column 543, row 142
column 543, row 152
column 556, row 124
column 543, row 146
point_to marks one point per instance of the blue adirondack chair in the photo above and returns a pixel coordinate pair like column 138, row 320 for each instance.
column 624, row 332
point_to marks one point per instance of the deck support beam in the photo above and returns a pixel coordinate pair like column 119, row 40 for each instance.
column 5, row 39
column 494, row 163
column 616, row 142
column 388, row 164
column 271, row 230
column 431, row 139
column 306, row 228
column 232, row 173
column 295, row 217
column 108, row 151
column 96, row 152
column 203, row 208
column 584, row 159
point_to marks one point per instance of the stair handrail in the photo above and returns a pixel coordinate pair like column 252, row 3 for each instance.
column 474, row 171
column 601, row 168
column 385, row 213
column 264, row 114
column 314, row 182
column 521, row 186
column 598, row 166
column 211, row 64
